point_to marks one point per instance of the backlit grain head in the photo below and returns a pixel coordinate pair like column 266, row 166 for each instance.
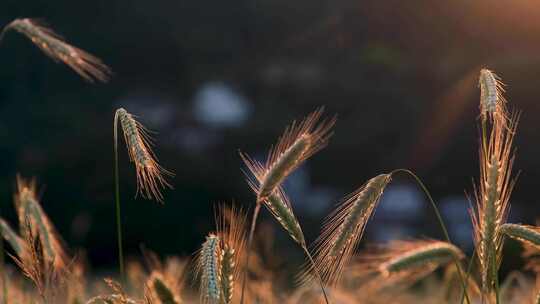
column 492, row 101
column 207, row 269
column 344, row 228
column 492, row 197
column 86, row 65
column 29, row 209
column 150, row 174
column 299, row 142
column 277, row 202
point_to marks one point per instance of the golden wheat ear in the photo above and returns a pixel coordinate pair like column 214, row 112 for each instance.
column 151, row 176
column 29, row 209
column 53, row 45
column 492, row 197
column 299, row 142
column 343, row 230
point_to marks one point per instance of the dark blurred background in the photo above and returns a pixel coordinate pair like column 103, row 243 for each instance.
column 215, row 77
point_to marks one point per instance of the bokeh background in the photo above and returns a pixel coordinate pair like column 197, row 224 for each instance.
column 215, row 77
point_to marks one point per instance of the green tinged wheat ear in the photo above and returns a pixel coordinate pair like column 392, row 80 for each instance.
column 150, row 175
column 492, row 101
column 231, row 230
column 53, row 45
column 208, row 268
column 14, row 240
column 408, row 256
column 343, row 229
column 28, row 208
column 523, row 233
column 492, row 197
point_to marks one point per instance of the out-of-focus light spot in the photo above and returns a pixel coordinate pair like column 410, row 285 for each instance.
column 217, row 105
column 456, row 216
column 400, row 201
column 393, row 231
column 194, row 140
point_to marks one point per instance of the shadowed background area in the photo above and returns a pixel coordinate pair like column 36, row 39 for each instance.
column 215, row 77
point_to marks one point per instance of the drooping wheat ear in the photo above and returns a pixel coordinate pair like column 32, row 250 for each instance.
column 53, row 45
column 162, row 290
column 14, row 240
column 523, row 233
column 492, row 197
column 207, row 268
column 231, row 230
column 298, row 143
column 343, row 229
column 28, row 207
column 150, row 175
column 405, row 256
column 492, row 101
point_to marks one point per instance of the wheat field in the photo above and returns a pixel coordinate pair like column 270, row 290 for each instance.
column 233, row 263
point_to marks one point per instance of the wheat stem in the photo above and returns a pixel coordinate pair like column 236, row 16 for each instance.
column 2, row 268
column 319, row 278
column 117, row 201
column 249, row 245
column 441, row 223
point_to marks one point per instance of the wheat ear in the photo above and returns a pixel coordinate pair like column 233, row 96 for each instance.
column 53, row 45
column 298, row 143
column 343, row 229
column 280, row 207
column 207, row 268
column 14, row 240
column 492, row 199
column 231, row 230
column 150, row 174
column 162, row 290
column 523, row 233
column 404, row 256
column 492, row 101
column 28, row 208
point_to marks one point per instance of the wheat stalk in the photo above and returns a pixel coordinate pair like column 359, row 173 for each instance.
column 53, row 45
column 492, row 198
column 343, row 229
column 207, row 268
column 28, row 208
